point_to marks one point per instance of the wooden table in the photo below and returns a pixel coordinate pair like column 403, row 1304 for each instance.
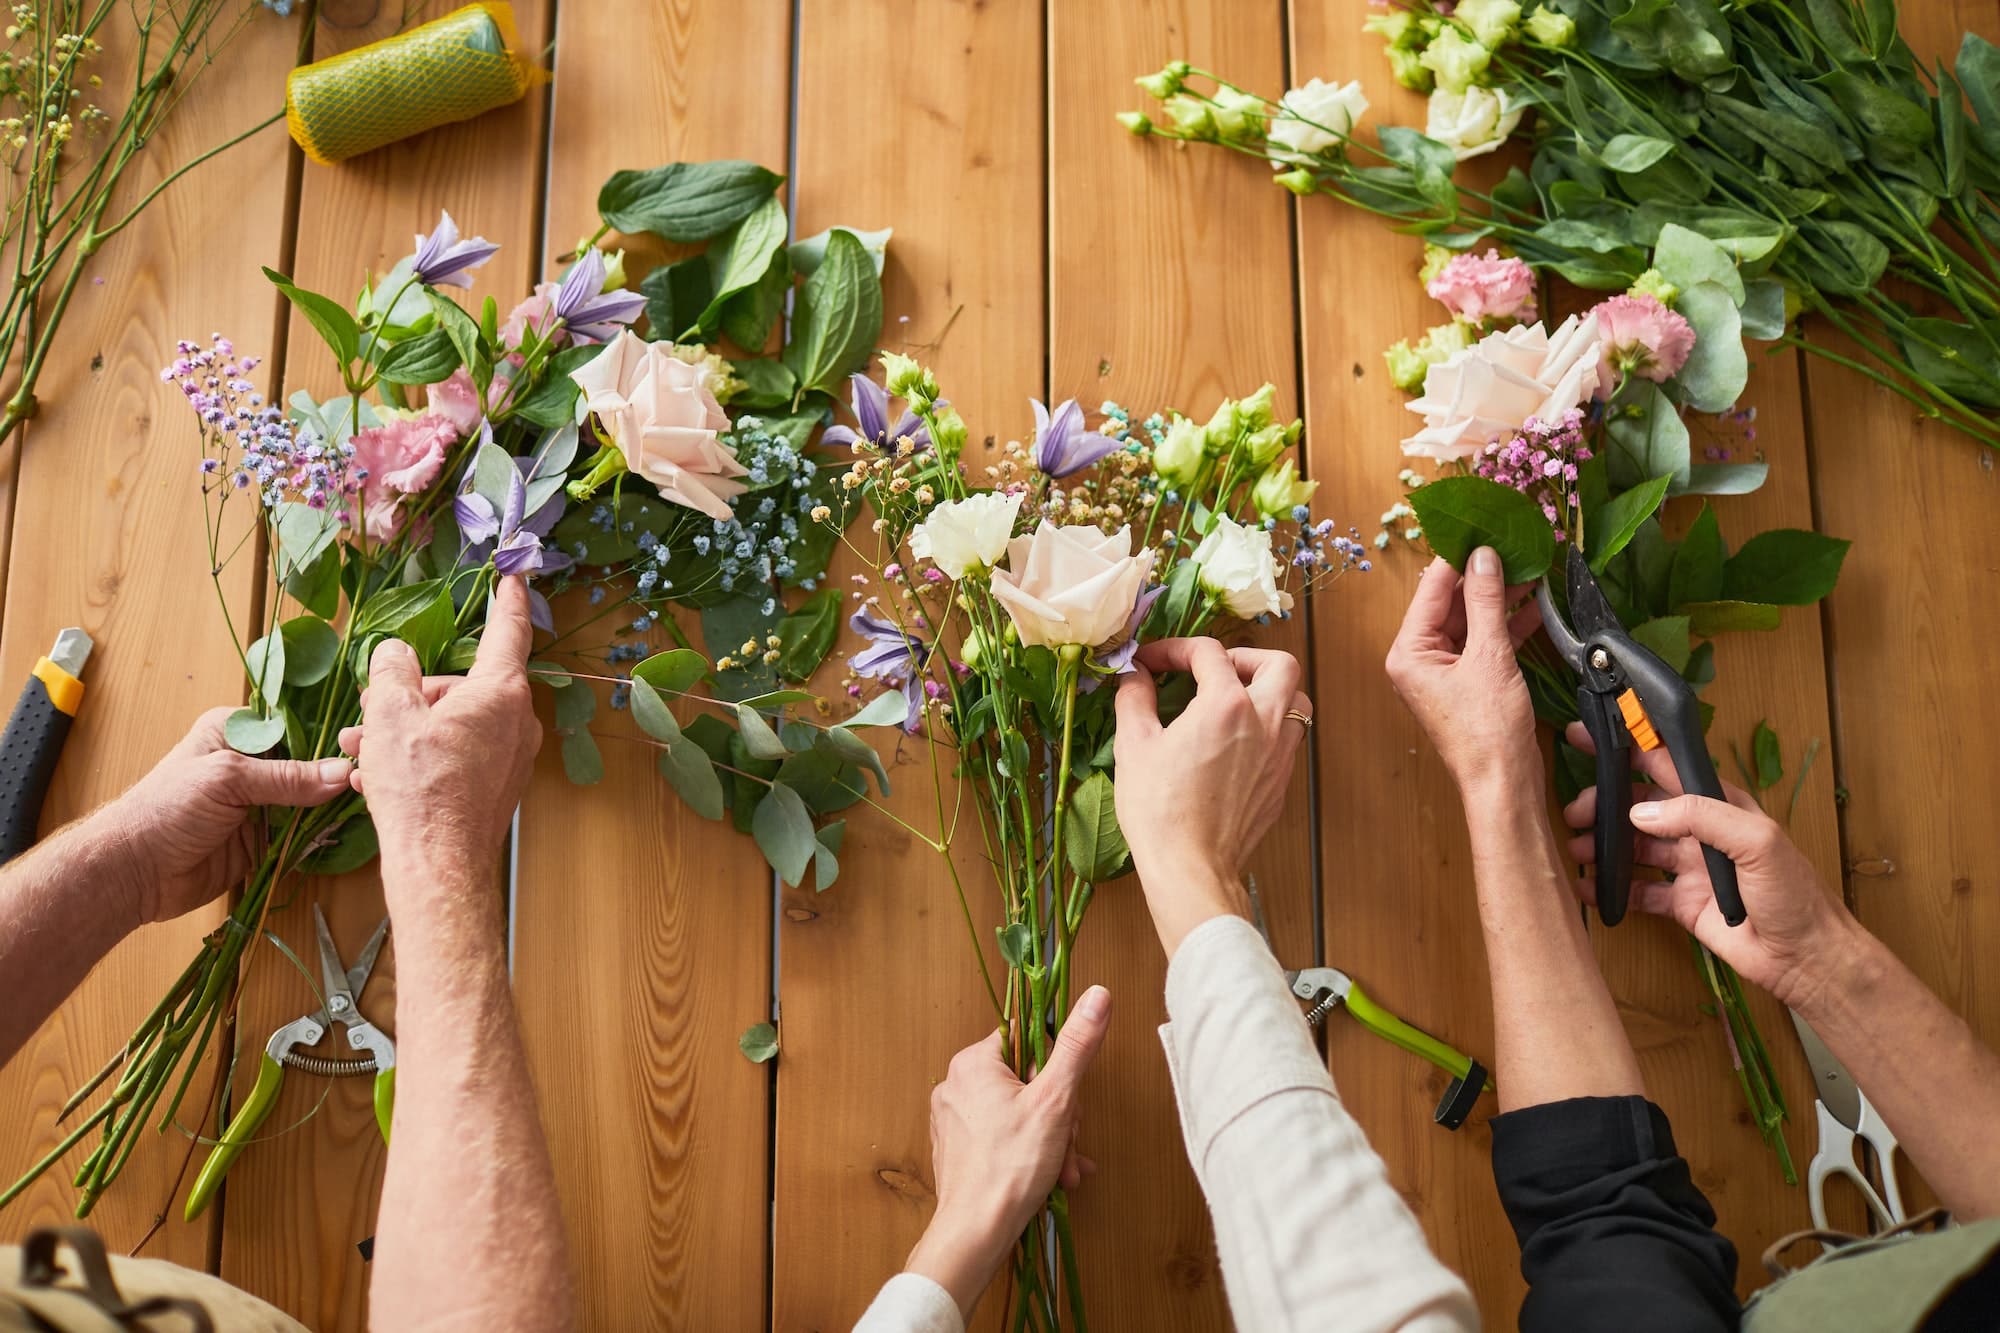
column 1039, row 251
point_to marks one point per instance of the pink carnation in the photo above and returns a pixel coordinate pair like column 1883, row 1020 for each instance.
column 1478, row 288
column 1641, row 337
column 403, row 455
column 457, row 401
column 536, row 312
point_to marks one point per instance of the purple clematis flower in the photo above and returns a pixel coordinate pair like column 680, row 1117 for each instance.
column 1062, row 445
column 586, row 309
column 1118, row 660
column 443, row 260
column 891, row 656
column 871, row 414
column 512, row 538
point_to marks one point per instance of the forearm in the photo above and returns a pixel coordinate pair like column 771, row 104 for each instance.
column 1556, row 1031
column 1934, row 1083
column 470, row 1234
column 63, row 905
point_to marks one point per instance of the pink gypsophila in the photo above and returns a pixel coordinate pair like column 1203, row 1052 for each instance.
column 1478, row 288
column 1641, row 337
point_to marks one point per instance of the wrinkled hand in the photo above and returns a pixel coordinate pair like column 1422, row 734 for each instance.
column 1453, row 664
column 1793, row 938
column 443, row 761
column 187, row 828
column 999, row 1145
column 1195, row 797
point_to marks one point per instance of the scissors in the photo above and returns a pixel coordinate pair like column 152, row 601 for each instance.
column 342, row 985
column 1845, row 1115
column 1628, row 696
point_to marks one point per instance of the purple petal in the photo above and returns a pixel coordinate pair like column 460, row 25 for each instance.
column 476, row 519
column 521, row 553
column 442, row 258
column 517, row 503
column 882, row 661
column 913, row 691
column 874, row 627
column 915, row 431
column 838, row 437
column 601, row 315
column 580, row 285
column 539, row 614
column 871, row 406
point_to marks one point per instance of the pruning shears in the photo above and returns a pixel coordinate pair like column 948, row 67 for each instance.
column 284, row 1049
column 1326, row 989
column 1628, row 696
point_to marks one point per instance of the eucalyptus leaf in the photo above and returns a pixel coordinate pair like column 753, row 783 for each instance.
column 851, row 749
column 889, row 709
column 264, row 661
column 303, row 535
column 650, row 711
column 1764, row 309
column 784, row 833
column 1633, row 152
column 311, row 649
column 1717, row 368
column 249, row 733
column 689, row 768
column 1724, row 479
column 675, row 671
column 758, row 738
column 583, row 764
column 1685, row 257
column 826, row 856
column 758, row 1043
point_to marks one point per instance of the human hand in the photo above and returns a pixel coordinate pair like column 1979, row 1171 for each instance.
column 1453, row 665
column 999, row 1145
column 187, row 829
column 443, row 761
column 1796, row 933
column 1196, row 796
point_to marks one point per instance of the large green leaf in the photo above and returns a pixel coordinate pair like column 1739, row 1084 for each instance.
column 650, row 711
column 686, row 201
column 784, row 833
column 425, row 359
column 1698, row 560
column 1651, row 441
column 1784, row 567
column 1667, row 638
column 1711, row 618
column 1633, row 152
column 1460, row 514
column 250, row 733
column 327, row 316
column 688, row 767
column 758, row 738
column 740, row 259
column 1717, row 369
column 1956, row 357
column 265, row 660
column 311, row 648
column 1686, row 257
column 1092, row 839
column 675, row 671
column 1607, row 531
column 837, row 316
column 807, row 634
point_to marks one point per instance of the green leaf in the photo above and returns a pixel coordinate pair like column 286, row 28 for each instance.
column 552, row 403
column 837, row 316
column 1653, row 442
column 1784, row 567
column 609, row 546
column 1697, row 571
column 807, row 635
column 678, row 297
column 686, row 201
column 1770, row 763
column 311, row 649
column 265, row 661
column 1978, row 68
column 779, row 698
column 353, row 846
column 460, row 656
column 1092, row 839
column 1430, row 164
column 691, row 771
column 1883, row 115
column 317, row 587
column 740, row 260
column 583, row 764
column 784, row 833
column 1717, row 369
column 420, row 614
column 248, row 733
column 327, row 316
column 675, row 671
column 851, row 749
column 1633, row 152
column 808, row 254
column 725, row 627
column 758, row 738
column 1667, row 638
column 889, row 709
column 824, row 781
column 1764, row 309
column 767, row 382
column 749, row 316
column 758, row 1043
column 1955, row 357
column 1016, row 943
column 1460, row 514
column 1686, row 257
column 1723, row 479
column 1707, row 619
column 303, row 533
column 650, row 711
column 1606, row 532
column 425, row 359
column 459, row 328
column 1854, row 258
column 826, row 859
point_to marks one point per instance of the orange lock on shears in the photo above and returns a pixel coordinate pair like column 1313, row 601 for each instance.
column 1637, row 722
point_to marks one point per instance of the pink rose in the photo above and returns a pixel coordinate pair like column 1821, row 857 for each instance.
column 1477, row 288
column 663, row 417
column 403, row 455
column 1072, row 585
column 457, row 401
column 535, row 312
column 1487, row 391
column 1641, row 337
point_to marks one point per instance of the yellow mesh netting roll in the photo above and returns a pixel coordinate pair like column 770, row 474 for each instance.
column 452, row 69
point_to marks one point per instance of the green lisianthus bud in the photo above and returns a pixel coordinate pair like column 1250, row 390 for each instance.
column 1409, row 365
column 1177, row 458
column 1192, row 117
column 614, row 270
column 1299, row 180
column 1493, row 22
column 1551, row 27
column 973, row 648
column 1398, row 27
column 606, row 464
column 1456, row 59
column 1406, row 64
column 1406, row 367
column 1279, row 491
column 1239, row 115
column 1171, row 78
column 907, row 380
column 948, row 433
column 1653, row 283
column 1136, row 122
column 1254, row 412
column 1220, row 432
column 1263, row 445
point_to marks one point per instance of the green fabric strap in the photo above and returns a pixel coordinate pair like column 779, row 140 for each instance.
column 1888, row 1284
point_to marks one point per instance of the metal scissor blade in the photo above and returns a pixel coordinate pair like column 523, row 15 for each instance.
column 364, row 966
column 1589, row 610
column 1559, row 632
column 1835, row 1085
column 339, row 995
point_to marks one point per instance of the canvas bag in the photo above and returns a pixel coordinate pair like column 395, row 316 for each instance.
column 61, row 1281
column 1920, row 1276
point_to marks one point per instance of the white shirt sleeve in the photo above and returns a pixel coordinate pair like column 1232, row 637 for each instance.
column 1311, row 1234
column 911, row 1303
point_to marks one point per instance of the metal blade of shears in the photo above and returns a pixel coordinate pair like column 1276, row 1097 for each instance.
column 339, row 995
column 364, row 966
column 1835, row 1085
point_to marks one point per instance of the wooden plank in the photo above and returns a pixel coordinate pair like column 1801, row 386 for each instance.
column 1171, row 288
column 642, row 934
column 108, row 534
column 1909, row 630
column 1408, row 926
column 298, row 1203
column 877, row 977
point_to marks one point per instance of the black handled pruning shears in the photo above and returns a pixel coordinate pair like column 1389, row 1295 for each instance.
column 1629, row 696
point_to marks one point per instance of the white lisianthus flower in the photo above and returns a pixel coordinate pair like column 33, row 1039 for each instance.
column 1314, row 118
column 1456, row 59
column 967, row 534
column 1486, row 392
column 1072, row 586
column 1493, row 22
column 1473, row 122
column 1235, row 566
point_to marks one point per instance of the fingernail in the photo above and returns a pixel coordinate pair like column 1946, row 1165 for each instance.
column 1485, row 561
column 1093, row 1003
column 335, row 770
column 386, row 650
column 1647, row 813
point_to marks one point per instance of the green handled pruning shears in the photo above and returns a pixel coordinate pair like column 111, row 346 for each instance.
column 342, row 985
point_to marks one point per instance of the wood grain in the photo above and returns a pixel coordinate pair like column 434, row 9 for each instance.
column 1170, row 287
column 942, row 141
column 643, row 932
column 108, row 535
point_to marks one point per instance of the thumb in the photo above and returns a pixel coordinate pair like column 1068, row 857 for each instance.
column 395, row 677
column 1076, row 1045
column 287, row 781
column 1485, row 602
column 1742, row 835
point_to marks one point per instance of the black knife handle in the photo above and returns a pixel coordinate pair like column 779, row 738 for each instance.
column 1613, row 828
column 29, row 749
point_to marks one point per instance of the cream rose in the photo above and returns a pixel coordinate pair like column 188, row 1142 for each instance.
column 662, row 415
column 1071, row 585
column 1235, row 565
column 964, row 534
column 1473, row 122
column 1314, row 118
column 1487, row 391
